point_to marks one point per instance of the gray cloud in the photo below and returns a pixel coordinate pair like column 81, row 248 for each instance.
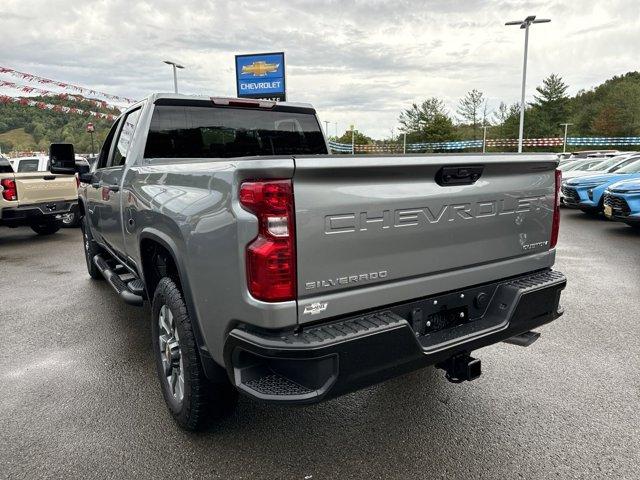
column 359, row 62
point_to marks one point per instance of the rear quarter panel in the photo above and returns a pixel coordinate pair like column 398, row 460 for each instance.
column 194, row 204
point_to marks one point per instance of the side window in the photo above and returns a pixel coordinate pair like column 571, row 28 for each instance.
column 124, row 138
column 106, row 146
column 5, row 166
column 28, row 165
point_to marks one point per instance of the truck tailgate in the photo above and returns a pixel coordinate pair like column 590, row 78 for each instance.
column 39, row 187
column 378, row 230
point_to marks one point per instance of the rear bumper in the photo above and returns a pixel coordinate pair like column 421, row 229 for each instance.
column 36, row 213
column 338, row 357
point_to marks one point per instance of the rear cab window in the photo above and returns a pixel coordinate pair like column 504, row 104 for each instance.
column 28, row 165
column 203, row 130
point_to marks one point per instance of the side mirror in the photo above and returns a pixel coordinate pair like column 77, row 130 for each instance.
column 62, row 159
column 84, row 172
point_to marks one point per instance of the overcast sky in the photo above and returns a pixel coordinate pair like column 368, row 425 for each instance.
column 358, row 62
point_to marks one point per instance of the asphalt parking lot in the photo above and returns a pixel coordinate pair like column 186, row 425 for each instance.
column 80, row 397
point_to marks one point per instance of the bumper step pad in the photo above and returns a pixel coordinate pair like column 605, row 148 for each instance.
column 343, row 330
column 276, row 385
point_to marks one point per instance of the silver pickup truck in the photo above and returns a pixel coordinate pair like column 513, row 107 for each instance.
column 275, row 269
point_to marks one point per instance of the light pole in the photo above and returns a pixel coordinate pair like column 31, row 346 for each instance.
column 484, row 138
column 526, row 23
column 404, row 143
column 326, row 128
column 353, row 141
column 564, row 143
column 90, row 130
column 175, row 73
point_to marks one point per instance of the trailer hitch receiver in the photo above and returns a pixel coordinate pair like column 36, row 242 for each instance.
column 461, row 367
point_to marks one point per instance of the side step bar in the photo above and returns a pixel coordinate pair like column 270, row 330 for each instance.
column 130, row 292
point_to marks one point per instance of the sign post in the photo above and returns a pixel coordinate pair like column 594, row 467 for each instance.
column 262, row 76
column 90, row 130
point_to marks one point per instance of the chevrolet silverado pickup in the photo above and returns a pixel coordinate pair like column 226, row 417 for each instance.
column 275, row 269
column 35, row 199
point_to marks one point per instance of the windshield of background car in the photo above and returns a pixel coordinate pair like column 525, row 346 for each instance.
column 604, row 165
column 631, row 168
column 576, row 166
column 213, row 132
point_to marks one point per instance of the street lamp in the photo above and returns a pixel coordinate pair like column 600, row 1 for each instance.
column 564, row 144
column 526, row 23
column 175, row 74
column 353, row 140
column 484, row 138
column 90, row 130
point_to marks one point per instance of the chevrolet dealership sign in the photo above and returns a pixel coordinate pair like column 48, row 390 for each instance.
column 261, row 76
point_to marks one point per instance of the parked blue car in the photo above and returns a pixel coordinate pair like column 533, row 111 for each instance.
column 587, row 193
column 622, row 202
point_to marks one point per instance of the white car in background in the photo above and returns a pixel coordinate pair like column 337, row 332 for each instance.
column 36, row 163
column 605, row 165
column 29, row 164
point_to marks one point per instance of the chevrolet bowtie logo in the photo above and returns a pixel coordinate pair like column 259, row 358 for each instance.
column 259, row 68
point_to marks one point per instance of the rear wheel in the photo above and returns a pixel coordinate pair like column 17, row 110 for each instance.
column 190, row 397
column 46, row 228
column 70, row 219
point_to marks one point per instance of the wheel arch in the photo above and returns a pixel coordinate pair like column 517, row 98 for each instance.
column 152, row 238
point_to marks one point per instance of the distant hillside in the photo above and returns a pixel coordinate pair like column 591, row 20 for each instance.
column 18, row 139
column 610, row 109
column 30, row 128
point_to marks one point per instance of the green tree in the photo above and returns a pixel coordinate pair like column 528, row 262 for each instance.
column 359, row 138
column 507, row 120
column 471, row 110
column 427, row 122
column 549, row 109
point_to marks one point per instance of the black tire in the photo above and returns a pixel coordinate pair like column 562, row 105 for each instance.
column 201, row 399
column 91, row 249
column 46, row 228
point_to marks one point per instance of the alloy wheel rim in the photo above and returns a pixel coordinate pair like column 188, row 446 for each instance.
column 169, row 342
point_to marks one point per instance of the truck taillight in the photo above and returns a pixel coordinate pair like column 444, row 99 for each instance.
column 9, row 191
column 555, row 228
column 271, row 256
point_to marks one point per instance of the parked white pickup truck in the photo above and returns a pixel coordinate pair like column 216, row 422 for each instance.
column 35, row 198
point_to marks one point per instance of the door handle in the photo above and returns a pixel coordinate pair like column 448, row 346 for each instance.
column 96, row 185
column 113, row 188
column 462, row 175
